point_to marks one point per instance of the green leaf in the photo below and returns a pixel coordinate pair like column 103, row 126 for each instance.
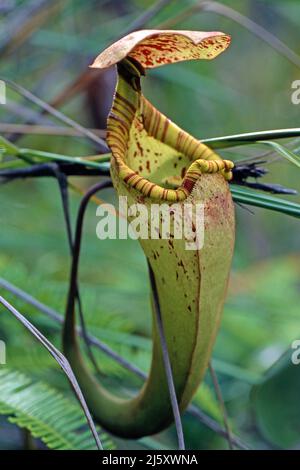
column 44, row 156
column 253, row 198
column 7, row 147
column 283, row 151
column 250, row 138
column 46, row 413
column 37, row 156
column 276, row 403
column 234, row 371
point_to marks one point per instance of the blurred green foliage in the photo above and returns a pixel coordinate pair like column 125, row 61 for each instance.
column 247, row 89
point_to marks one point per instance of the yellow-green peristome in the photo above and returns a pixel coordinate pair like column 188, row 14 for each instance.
column 154, row 161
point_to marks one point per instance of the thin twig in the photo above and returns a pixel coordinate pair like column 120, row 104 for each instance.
column 77, row 245
column 166, row 359
column 215, row 426
column 47, row 130
column 42, row 170
column 221, row 403
column 241, row 173
column 58, row 114
column 63, row 188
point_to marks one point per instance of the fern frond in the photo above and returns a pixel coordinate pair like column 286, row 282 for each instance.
column 46, row 413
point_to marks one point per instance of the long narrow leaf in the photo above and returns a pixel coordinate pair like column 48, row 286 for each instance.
column 283, row 151
column 61, row 360
column 250, row 137
column 252, row 198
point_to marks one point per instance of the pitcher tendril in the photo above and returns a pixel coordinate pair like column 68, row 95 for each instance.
column 154, row 160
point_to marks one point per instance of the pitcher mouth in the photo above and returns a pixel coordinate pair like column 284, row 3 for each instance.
column 150, row 153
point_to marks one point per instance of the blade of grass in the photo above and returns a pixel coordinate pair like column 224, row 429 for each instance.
column 46, row 130
column 236, row 140
column 283, row 151
column 244, row 196
column 40, row 156
column 61, row 360
column 8, row 147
